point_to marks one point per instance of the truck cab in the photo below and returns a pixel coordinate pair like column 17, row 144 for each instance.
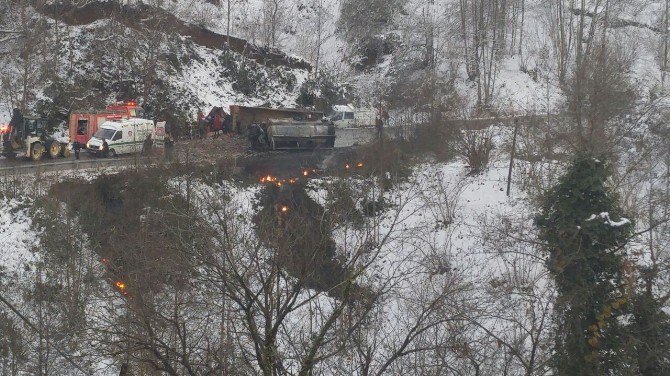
column 346, row 116
column 84, row 124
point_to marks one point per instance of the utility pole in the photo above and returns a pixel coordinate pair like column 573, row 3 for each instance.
column 228, row 23
column 511, row 159
column 666, row 45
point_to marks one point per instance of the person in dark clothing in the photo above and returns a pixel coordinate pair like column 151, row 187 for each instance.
column 147, row 145
column 105, row 148
column 16, row 124
column 202, row 129
column 17, row 118
column 257, row 136
column 76, row 146
column 169, row 146
column 331, row 132
column 227, row 124
column 379, row 125
column 201, row 123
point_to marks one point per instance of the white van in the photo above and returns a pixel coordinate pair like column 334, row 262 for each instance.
column 349, row 117
column 124, row 136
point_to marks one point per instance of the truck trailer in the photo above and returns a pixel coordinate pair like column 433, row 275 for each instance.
column 242, row 117
column 285, row 134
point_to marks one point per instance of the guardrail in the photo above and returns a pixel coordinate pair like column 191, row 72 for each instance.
column 57, row 166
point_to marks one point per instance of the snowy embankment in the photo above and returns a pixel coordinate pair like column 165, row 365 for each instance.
column 203, row 78
column 446, row 231
column 17, row 258
column 29, row 266
column 444, row 254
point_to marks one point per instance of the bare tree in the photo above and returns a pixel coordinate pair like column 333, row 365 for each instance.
column 484, row 29
column 273, row 13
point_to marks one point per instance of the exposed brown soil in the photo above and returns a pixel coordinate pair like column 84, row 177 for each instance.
column 144, row 17
column 211, row 149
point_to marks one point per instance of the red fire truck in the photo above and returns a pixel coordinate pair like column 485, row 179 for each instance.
column 82, row 125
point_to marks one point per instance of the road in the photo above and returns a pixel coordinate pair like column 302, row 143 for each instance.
column 345, row 138
column 24, row 167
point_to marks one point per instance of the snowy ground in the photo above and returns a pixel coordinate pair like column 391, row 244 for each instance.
column 446, row 224
column 17, row 239
column 442, row 231
column 203, row 79
column 445, row 230
column 5, row 113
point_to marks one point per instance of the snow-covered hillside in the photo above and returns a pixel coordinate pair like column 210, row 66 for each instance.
column 18, row 240
column 522, row 78
column 402, row 256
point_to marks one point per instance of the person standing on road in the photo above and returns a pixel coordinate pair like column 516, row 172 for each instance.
column 379, row 125
column 147, row 145
column 105, row 148
column 169, row 145
column 76, row 146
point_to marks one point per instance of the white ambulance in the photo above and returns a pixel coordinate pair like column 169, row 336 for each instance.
column 123, row 136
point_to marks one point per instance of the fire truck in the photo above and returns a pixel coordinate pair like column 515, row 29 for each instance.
column 83, row 125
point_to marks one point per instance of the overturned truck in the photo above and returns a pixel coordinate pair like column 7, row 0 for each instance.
column 288, row 134
column 243, row 117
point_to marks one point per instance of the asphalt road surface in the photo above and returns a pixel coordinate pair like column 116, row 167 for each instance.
column 345, row 138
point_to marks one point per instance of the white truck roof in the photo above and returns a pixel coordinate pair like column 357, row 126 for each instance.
column 351, row 108
column 118, row 124
column 343, row 108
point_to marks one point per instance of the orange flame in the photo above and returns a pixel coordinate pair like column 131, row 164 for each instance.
column 121, row 286
column 359, row 164
column 304, row 173
column 268, row 179
column 284, row 209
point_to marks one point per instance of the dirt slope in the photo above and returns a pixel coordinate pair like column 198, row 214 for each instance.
column 144, row 17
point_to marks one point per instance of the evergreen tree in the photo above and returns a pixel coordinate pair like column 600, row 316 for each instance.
column 650, row 329
column 585, row 232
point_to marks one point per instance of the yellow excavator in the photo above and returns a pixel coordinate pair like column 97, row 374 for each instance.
column 27, row 137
